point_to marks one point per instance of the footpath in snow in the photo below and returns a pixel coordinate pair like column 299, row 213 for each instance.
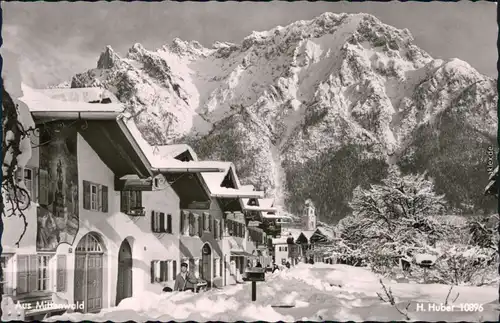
column 308, row 292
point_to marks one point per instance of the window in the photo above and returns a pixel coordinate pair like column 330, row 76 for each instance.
column 131, row 203
column 95, row 196
column 163, row 270
column 43, row 273
column 33, row 273
column 28, row 181
column 161, row 223
column 158, row 222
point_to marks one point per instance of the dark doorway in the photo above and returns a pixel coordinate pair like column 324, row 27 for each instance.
column 206, row 260
column 124, row 282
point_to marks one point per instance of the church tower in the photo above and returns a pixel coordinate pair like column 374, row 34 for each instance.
column 309, row 216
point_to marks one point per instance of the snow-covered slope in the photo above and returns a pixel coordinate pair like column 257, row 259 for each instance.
column 314, row 108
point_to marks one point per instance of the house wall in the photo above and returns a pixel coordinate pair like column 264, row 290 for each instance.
column 279, row 255
column 191, row 246
column 112, row 228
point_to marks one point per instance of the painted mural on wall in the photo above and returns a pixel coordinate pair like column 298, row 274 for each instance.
column 57, row 214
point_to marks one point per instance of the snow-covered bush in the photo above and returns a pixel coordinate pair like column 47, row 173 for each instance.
column 403, row 217
column 465, row 264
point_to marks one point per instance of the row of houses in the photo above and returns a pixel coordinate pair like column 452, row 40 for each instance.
column 110, row 216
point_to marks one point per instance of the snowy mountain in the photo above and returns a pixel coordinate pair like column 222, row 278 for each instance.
column 314, row 109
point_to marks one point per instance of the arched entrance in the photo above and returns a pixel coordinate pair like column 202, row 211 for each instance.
column 124, row 280
column 206, row 263
column 89, row 255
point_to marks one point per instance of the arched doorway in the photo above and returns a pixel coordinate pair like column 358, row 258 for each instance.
column 206, row 263
column 89, row 255
column 124, row 280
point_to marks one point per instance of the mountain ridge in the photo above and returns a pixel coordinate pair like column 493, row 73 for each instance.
column 313, row 109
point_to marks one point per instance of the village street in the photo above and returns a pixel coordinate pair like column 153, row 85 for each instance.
column 308, row 292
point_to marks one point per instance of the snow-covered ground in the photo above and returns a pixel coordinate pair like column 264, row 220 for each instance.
column 308, row 292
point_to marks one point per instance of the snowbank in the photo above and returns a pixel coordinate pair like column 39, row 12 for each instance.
column 305, row 292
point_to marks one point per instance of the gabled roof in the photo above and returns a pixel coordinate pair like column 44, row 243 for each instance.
column 100, row 126
column 42, row 105
column 85, row 95
column 306, row 234
column 325, row 233
column 215, row 180
column 160, row 163
column 173, row 151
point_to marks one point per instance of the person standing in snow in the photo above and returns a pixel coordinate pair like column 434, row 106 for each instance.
column 184, row 281
column 287, row 265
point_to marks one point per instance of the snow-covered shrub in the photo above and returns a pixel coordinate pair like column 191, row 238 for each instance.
column 464, row 264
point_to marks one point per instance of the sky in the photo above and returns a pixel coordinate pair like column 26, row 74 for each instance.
column 54, row 41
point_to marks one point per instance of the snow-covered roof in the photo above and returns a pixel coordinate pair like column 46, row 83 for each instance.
column 39, row 103
column 280, row 240
column 172, row 151
column 162, row 162
column 79, row 94
column 294, row 233
column 214, row 181
column 327, row 232
column 307, row 234
column 265, row 215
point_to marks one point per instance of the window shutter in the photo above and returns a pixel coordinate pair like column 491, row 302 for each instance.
column 32, row 276
column 104, row 199
column 210, row 221
column 61, row 273
column 138, row 199
column 152, row 272
column 174, row 269
column 162, row 222
column 169, row 223
column 22, row 274
column 200, row 225
column 203, row 220
column 86, row 194
column 153, row 222
column 43, row 187
column 123, row 202
column 181, row 223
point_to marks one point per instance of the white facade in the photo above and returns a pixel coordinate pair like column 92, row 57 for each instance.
column 110, row 228
column 281, row 253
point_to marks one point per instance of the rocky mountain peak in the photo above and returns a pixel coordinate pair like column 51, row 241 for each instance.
column 312, row 109
column 107, row 59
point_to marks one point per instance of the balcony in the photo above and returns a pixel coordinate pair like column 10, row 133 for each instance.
column 136, row 211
